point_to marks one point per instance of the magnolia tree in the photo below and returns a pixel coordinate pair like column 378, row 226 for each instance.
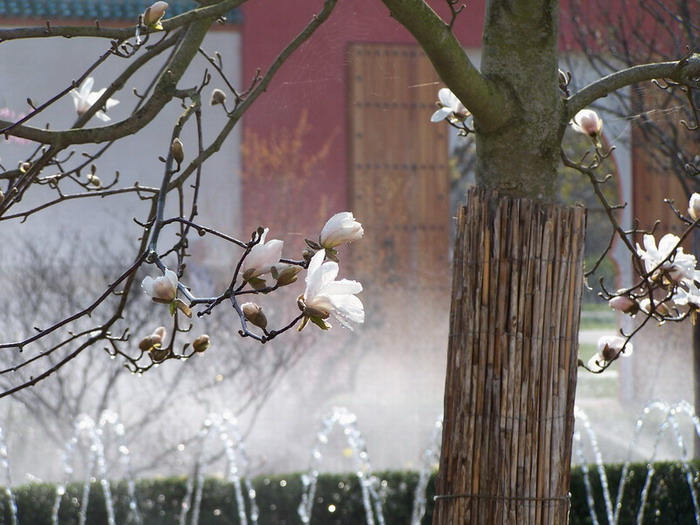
column 171, row 217
column 667, row 289
column 511, row 378
column 507, row 438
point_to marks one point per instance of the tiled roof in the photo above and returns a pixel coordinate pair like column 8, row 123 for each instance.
column 92, row 9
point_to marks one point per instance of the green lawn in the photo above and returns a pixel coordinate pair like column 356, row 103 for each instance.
column 595, row 385
column 596, row 316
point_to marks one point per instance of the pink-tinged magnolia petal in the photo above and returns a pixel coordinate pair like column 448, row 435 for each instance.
column 81, row 106
column 622, row 303
column 163, row 288
column 154, row 13
column 172, row 277
column 587, row 122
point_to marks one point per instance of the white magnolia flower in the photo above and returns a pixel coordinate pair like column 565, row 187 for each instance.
column 85, row 97
column 262, row 257
column 324, row 296
column 162, row 289
column 694, row 206
column 613, row 343
column 450, row 108
column 596, row 363
column 217, row 97
column 340, row 229
column 677, row 265
column 610, row 347
column 687, row 297
column 587, row 122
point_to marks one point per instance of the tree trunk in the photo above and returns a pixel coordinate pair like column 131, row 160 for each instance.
column 512, row 358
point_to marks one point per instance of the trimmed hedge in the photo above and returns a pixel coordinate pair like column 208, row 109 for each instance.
column 339, row 499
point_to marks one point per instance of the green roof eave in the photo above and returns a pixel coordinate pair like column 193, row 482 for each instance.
column 102, row 10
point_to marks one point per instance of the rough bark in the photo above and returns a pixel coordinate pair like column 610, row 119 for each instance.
column 520, row 55
column 512, row 360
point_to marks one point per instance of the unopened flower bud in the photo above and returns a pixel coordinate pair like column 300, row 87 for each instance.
column 624, row 304
column 201, row 343
column 254, row 314
column 694, row 206
column 162, row 289
column 310, row 311
column 217, row 97
column 563, row 79
column 158, row 355
column 285, row 273
column 24, row 167
column 608, row 353
column 2, row 196
column 150, row 343
column 153, row 15
column 587, row 122
column 153, row 341
column 178, row 151
column 340, row 229
column 94, row 180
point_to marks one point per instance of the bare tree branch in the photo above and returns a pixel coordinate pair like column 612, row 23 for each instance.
column 489, row 105
column 684, row 71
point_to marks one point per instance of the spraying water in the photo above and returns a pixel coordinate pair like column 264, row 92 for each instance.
column 87, row 434
column 669, row 423
column 225, row 427
column 90, row 437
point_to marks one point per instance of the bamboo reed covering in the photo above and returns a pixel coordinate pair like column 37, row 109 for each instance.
column 512, row 357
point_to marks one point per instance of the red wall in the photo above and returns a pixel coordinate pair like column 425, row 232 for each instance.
column 314, row 78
